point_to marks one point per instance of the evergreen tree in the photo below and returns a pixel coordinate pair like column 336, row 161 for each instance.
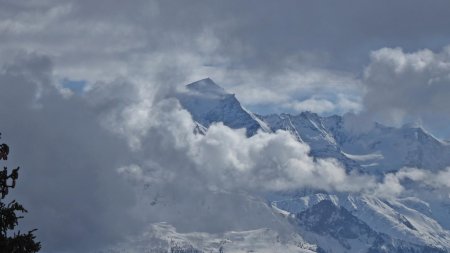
column 10, row 241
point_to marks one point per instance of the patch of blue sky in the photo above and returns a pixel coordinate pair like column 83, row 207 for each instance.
column 77, row 86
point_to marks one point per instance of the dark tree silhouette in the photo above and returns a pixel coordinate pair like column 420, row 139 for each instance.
column 15, row 242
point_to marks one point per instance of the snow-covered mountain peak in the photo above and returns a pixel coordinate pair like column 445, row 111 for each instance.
column 208, row 103
column 206, row 86
column 412, row 125
column 309, row 115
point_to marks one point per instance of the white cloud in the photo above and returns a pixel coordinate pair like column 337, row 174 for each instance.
column 425, row 182
column 295, row 87
column 438, row 180
column 265, row 162
column 409, row 87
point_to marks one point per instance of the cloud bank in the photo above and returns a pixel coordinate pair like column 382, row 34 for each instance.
column 409, row 87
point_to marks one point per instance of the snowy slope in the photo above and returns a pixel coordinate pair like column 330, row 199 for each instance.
column 310, row 128
column 335, row 229
column 377, row 150
column 391, row 217
column 397, row 147
column 163, row 238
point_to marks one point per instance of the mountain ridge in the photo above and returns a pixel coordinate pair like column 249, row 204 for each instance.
column 407, row 146
column 398, row 225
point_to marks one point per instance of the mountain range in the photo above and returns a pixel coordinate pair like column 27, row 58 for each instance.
column 322, row 221
column 378, row 149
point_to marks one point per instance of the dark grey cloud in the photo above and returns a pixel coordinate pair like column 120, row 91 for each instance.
column 67, row 178
column 344, row 31
column 339, row 34
column 242, row 45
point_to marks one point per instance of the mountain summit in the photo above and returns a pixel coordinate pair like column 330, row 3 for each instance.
column 206, row 86
column 209, row 103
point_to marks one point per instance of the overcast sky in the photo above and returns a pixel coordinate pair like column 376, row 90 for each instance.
column 281, row 56
column 77, row 71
